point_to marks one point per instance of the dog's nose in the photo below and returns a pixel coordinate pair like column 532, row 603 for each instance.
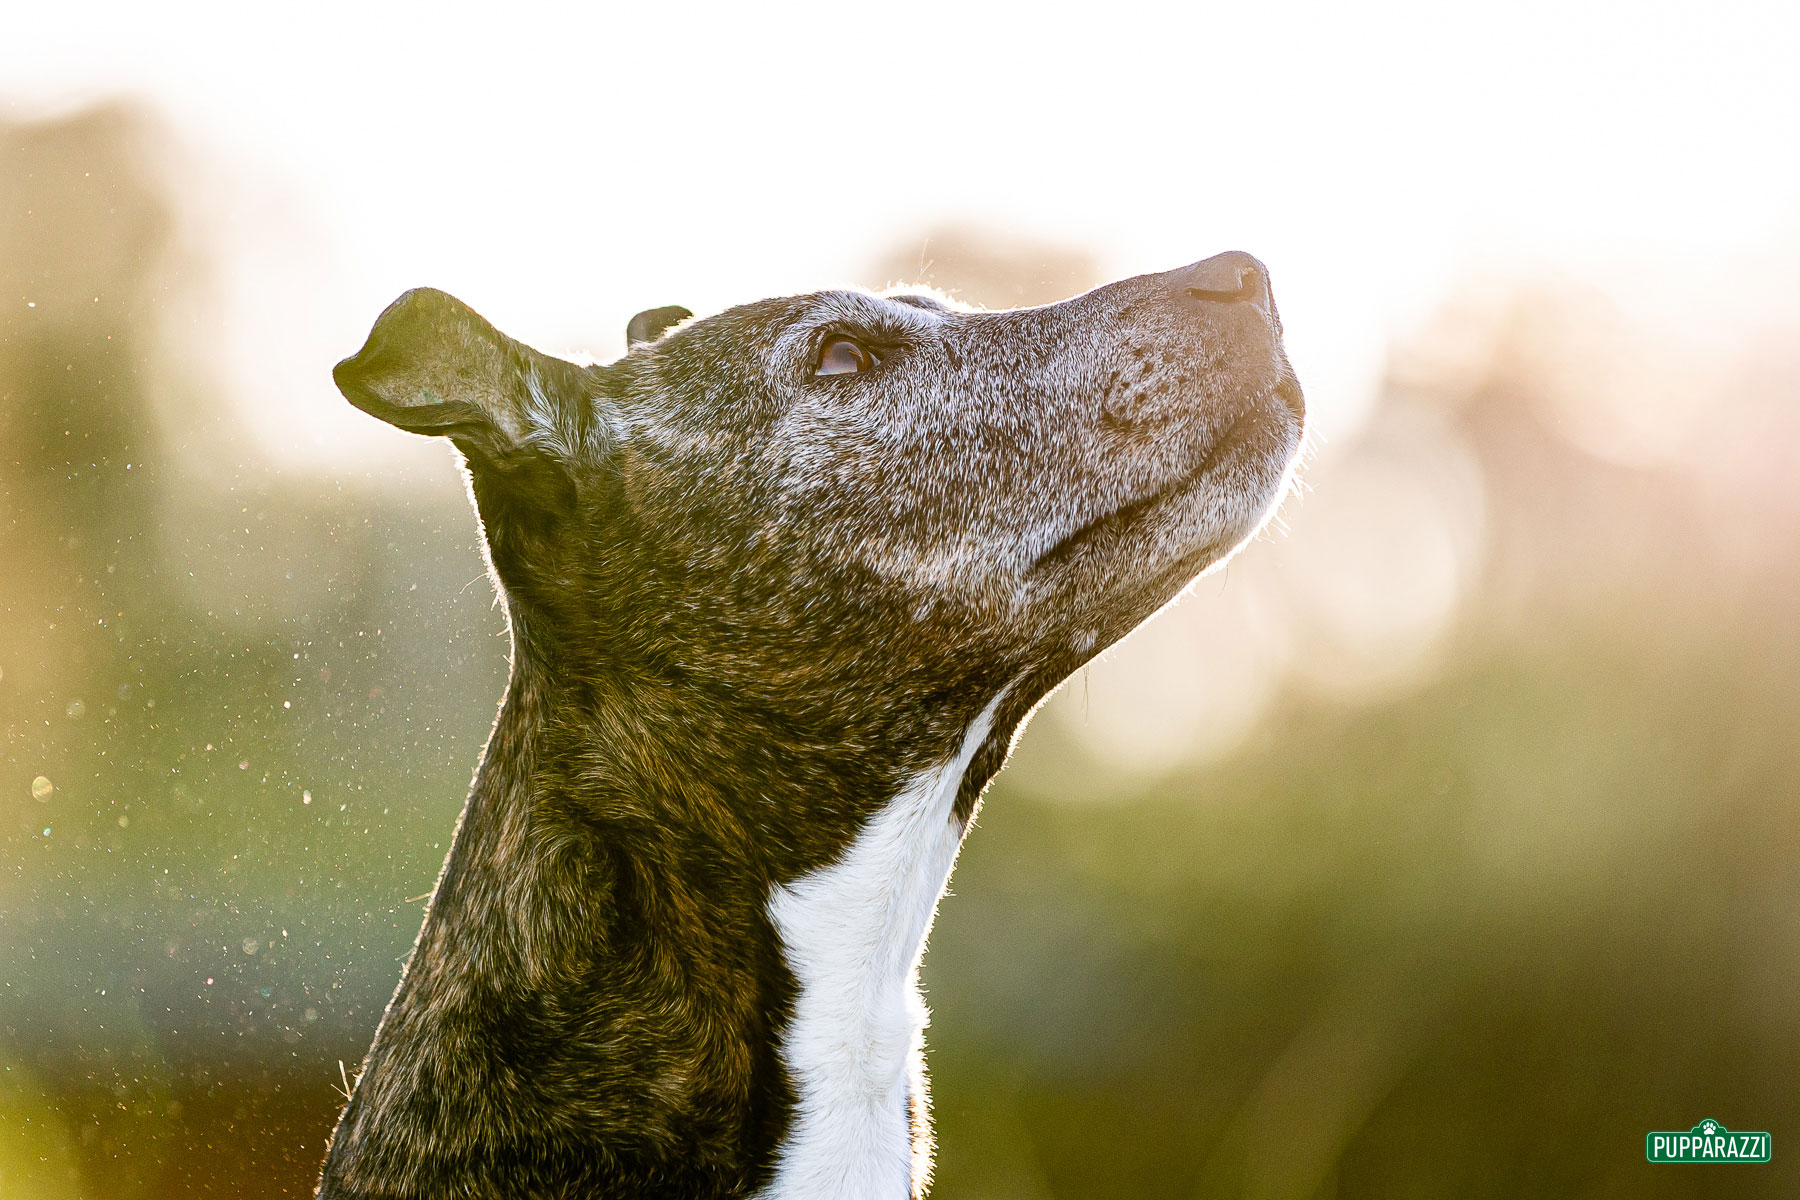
column 1229, row 278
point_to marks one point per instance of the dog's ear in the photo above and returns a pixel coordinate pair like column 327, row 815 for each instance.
column 432, row 365
column 652, row 323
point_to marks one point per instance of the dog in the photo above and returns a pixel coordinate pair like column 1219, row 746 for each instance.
column 783, row 585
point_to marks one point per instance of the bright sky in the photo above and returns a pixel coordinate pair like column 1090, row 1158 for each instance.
column 562, row 167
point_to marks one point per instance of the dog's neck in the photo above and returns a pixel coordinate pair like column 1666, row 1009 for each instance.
column 620, row 988
column 852, row 933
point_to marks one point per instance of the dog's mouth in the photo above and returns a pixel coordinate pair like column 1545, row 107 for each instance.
column 1242, row 430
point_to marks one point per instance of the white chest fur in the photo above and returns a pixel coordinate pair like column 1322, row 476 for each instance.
column 852, row 933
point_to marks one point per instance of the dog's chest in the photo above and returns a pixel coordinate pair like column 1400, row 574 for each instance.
column 852, row 934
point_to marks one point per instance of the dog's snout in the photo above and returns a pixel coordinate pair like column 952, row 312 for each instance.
column 1229, row 278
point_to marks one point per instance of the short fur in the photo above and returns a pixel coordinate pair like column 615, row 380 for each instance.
column 752, row 609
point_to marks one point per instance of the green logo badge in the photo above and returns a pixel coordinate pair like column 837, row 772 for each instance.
column 1706, row 1142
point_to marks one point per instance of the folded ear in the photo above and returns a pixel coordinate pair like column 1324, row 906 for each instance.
column 432, row 365
column 652, row 323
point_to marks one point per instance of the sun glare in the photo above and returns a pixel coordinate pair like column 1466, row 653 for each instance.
column 570, row 165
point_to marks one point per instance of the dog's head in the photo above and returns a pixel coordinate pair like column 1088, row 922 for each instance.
column 842, row 494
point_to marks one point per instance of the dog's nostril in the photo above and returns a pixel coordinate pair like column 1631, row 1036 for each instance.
column 1228, row 295
column 1230, row 278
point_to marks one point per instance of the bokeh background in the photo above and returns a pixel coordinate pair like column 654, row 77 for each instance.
column 1444, row 845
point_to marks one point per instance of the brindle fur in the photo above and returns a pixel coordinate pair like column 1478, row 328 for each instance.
column 747, row 604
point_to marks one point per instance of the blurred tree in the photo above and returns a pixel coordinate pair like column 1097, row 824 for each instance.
column 84, row 235
column 194, row 692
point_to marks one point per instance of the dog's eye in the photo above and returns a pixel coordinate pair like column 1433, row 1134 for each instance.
column 841, row 356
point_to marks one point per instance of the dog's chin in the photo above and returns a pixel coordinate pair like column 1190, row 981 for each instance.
column 1113, row 574
column 1197, row 517
column 1235, row 498
column 1205, row 523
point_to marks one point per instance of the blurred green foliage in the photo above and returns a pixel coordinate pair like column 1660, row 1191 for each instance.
column 1473, row 935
